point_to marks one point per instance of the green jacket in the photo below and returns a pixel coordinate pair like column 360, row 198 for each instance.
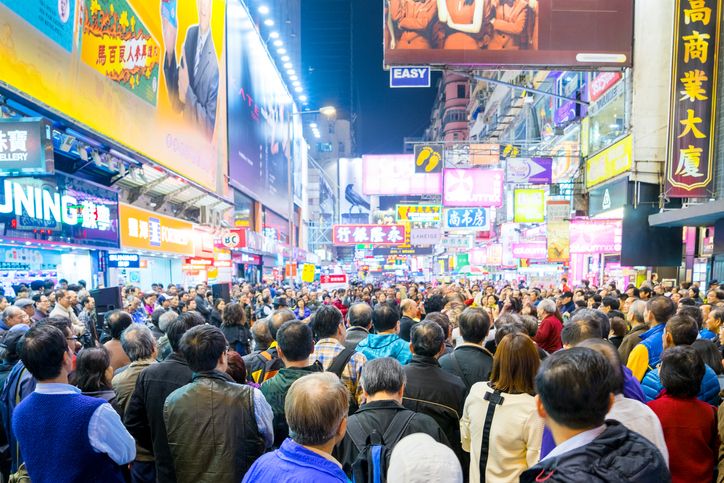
column 212, row 432
column 275, row 391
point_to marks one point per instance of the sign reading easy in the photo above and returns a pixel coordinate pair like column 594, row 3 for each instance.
column 409, row 76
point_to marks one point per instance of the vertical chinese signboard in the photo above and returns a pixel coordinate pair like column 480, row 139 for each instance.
column 689, row 172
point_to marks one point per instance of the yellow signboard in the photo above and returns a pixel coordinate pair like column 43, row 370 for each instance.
column 308, row 273
column 529, row 206
column 144, row 230
column 610, row 162
column 129, row 70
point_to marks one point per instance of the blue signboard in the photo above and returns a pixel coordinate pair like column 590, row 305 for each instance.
column 410, row 76
column 467, row 218
column 124, row 260
column 55, row 18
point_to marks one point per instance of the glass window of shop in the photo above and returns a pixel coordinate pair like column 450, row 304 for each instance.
column 275, row 227
column 608, row 119
column 568, row 84
column 243, row 210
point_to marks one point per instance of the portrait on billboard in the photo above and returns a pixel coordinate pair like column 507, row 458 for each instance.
column 508, row 32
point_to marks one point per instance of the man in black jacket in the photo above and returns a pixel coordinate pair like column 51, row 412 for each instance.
column 144, row 414
column 383, row 383
column 202, row 304
column 408, row 307
column 575, row 392
column 470, row 361
column 359, row 317
column 430, row 389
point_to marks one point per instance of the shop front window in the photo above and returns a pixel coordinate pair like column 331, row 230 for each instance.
column 243, row 211
column 608, row 123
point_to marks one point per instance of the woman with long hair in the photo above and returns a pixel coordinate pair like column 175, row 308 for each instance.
column 93, row 375
column 216, row 317
column 504, row 440
column 236, row 328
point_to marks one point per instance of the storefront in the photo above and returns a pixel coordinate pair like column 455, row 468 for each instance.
column 55, row 227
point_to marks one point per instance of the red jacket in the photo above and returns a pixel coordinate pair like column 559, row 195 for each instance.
column 690, row 431
column 342, row 308
column 548, row 336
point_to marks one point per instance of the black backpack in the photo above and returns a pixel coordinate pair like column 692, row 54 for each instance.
column 375, row 451
column 337, row 367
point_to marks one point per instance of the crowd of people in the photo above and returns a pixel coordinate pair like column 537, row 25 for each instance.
column 450, row 382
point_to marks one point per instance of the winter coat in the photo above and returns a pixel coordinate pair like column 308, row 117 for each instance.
column 709, row 391
column 385, row 345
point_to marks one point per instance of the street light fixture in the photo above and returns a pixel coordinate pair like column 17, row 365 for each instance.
column 326, row 111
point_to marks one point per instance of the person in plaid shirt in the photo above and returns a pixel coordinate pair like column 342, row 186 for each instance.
column 329, row 332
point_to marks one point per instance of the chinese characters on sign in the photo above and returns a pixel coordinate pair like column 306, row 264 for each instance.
column 419, row 213
column 692, row 130
column 144, row 230
column 369, row 234
column 26, row 147
column 459, row 218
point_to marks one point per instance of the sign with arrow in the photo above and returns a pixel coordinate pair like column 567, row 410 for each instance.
column 529, row 170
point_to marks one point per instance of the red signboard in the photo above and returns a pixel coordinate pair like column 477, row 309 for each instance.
column 692, row 124
column 234, row 239
column 601, row 83
column 376, row 235
column 333, row 282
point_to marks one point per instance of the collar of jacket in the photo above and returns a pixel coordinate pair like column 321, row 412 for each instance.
column 177, row 358
column 316, row 367
column 653, row 331
column 424, row 361
column 355, row 328
column 213, row 374
column 472, row 346
column 382, row 404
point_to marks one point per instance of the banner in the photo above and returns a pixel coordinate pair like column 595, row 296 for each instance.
column 529, row 206
column 559, row 239
column 474, row 218
column 395, row 174
column 106, row 65
column 144, row 230
column 419, row 213
column 595, row 236
column 610, row 162
column 354, row 205
column 368, row 234
column 529, row 170
column 535, row 250
column 26, row 147
column 692, row 124
column 425, row 236
column 558, row 210
column 473, row 187
column 513, row 33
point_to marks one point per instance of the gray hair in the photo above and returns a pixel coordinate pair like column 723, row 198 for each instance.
column 383, row 375
column 315, row 407
column 548, row 306
column 12, row 311
column 138, row 342
column 637, row 309
column 165, row 320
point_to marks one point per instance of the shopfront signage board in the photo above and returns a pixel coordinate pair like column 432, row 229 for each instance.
column 145, row 230
column 375, row 235
column 26, row 147
column 473, row 187
column 467, row 218
column 529, row 206
column 610, row 162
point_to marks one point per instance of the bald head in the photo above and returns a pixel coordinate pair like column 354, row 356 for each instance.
column 360, row 315
column 315, row 407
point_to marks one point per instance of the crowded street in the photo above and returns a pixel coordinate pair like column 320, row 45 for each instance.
column 338, row 241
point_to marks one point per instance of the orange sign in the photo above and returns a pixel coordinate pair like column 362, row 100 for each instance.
column 144, row 230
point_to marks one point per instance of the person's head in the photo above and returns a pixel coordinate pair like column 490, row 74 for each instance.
column 26, row 305
column 610, row 303
column 419, row 454
column 261, row 335
column 45, row 352
column 474, row 324
column 15, row 315
column 295, row 342
column 9, row 345
column 327, row 323
column 645, row 293
column 573, row 389
column 219, row 305
column 316, row 409
column 138, row 342
column 200, row 290
column 236, row 367
column 360, row 315
column 165, row 320
column 118, row 321
column 618, row 327
column 565, row 298
column 681, row 372
column 180, row 326
column 584, row 325
column 408, row 307
column 607, row 350
column 515, row 364
column 233, row 314
column 383, row 378
column 546, row 307
column 715, row 320
column 659, row 310
column 42, row 303
column 680, row 330
column 63, row 298
column 427, row 339
column 88, row 303
column 434, row 303
column 277, row 319
column 694, row 292
column 93, row 371
column 385, row 318
column 694, row 313
column 442, row 320
column 636, row 313
column 709, row 354
column 204, row 347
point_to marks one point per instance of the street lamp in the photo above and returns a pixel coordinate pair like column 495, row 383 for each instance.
column 326, row 111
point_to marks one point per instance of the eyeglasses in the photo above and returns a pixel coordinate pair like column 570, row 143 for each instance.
column 72, row 338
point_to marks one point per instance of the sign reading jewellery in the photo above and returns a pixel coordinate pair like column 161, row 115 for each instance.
column 26, row 147
column 692, row 122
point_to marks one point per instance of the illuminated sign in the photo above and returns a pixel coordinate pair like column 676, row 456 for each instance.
column 419, row 213
column 610, row 162
column 372, row 234
column 26, row 147
column 124, row 260
column 150, row 231
column 529, row 206
column 473, row 187
column 461, row 218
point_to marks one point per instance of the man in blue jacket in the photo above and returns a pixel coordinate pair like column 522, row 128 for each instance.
column 386, row 342
column 682, row 330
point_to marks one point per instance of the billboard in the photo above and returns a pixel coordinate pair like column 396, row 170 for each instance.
column 533, row 250
column 610, row 162
column 394, row 174
column 26, row 147
column 144, row 230
column 595, row 236
column 692, row 122
column 368, row 234
column 473, row 187
column 419, row 213
column 106, row 64
column 262, row 116
column 529, row 170
column 529, row 206
column 549, row 33
column 467, row 218
column 354, row 205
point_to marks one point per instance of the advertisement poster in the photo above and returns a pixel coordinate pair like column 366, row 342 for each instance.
column 473, row 187
column 369, row 234
column 130, row 70
column 596, row 236
column 559, row 240
column 395, row 175
column 529, row 206
column 549, row 33
column 529, row 170
column 610, row 162
column 144, row 230
column 262, row 116
column 353, row 203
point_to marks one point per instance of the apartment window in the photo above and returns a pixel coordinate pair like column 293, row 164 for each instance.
column 340, row 149
column 331, row 127
column 461, row 91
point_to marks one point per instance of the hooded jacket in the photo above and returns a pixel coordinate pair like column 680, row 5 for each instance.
column 385, row 345
column 617, row 455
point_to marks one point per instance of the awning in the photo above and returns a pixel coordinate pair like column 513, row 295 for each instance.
column 705, row 214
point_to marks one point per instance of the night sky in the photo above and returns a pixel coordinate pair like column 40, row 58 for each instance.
column 384, row 116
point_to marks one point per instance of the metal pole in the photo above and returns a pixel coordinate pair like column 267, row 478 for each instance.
column 522, row 88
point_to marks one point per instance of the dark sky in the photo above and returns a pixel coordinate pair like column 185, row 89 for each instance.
column 383, row 116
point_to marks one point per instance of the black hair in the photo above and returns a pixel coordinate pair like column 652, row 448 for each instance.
column 440, row 319
column 42, row 351
column 694, row 313
column 325, row 322
column 686, row 301
column 90, row 370
column 233, row 314
column 202, row 346
column 295, row 340
column 434, row 303
column 474, row 325
column 385, row 317
column 681, row 371
column 180, row 326
column 118, row 321
column 611, row 302
column 509, row 328
column 662, row 308
column 709, row 354
column 426, row 338
column 359, row 315
column 585, row 324
column 683, row 329
column 574, row 386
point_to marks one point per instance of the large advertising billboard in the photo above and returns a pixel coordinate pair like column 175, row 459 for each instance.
column 261, row 116
column 354, row 205
column 473, row 187
column 551, row 33
column 150, row 75
column 394, row 174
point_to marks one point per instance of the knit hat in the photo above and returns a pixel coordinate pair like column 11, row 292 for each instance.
column 418, row 458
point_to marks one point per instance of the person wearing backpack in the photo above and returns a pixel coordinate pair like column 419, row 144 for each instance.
column 374, row 430
column 264, row 364
column 470, row 361
column 329, row 332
